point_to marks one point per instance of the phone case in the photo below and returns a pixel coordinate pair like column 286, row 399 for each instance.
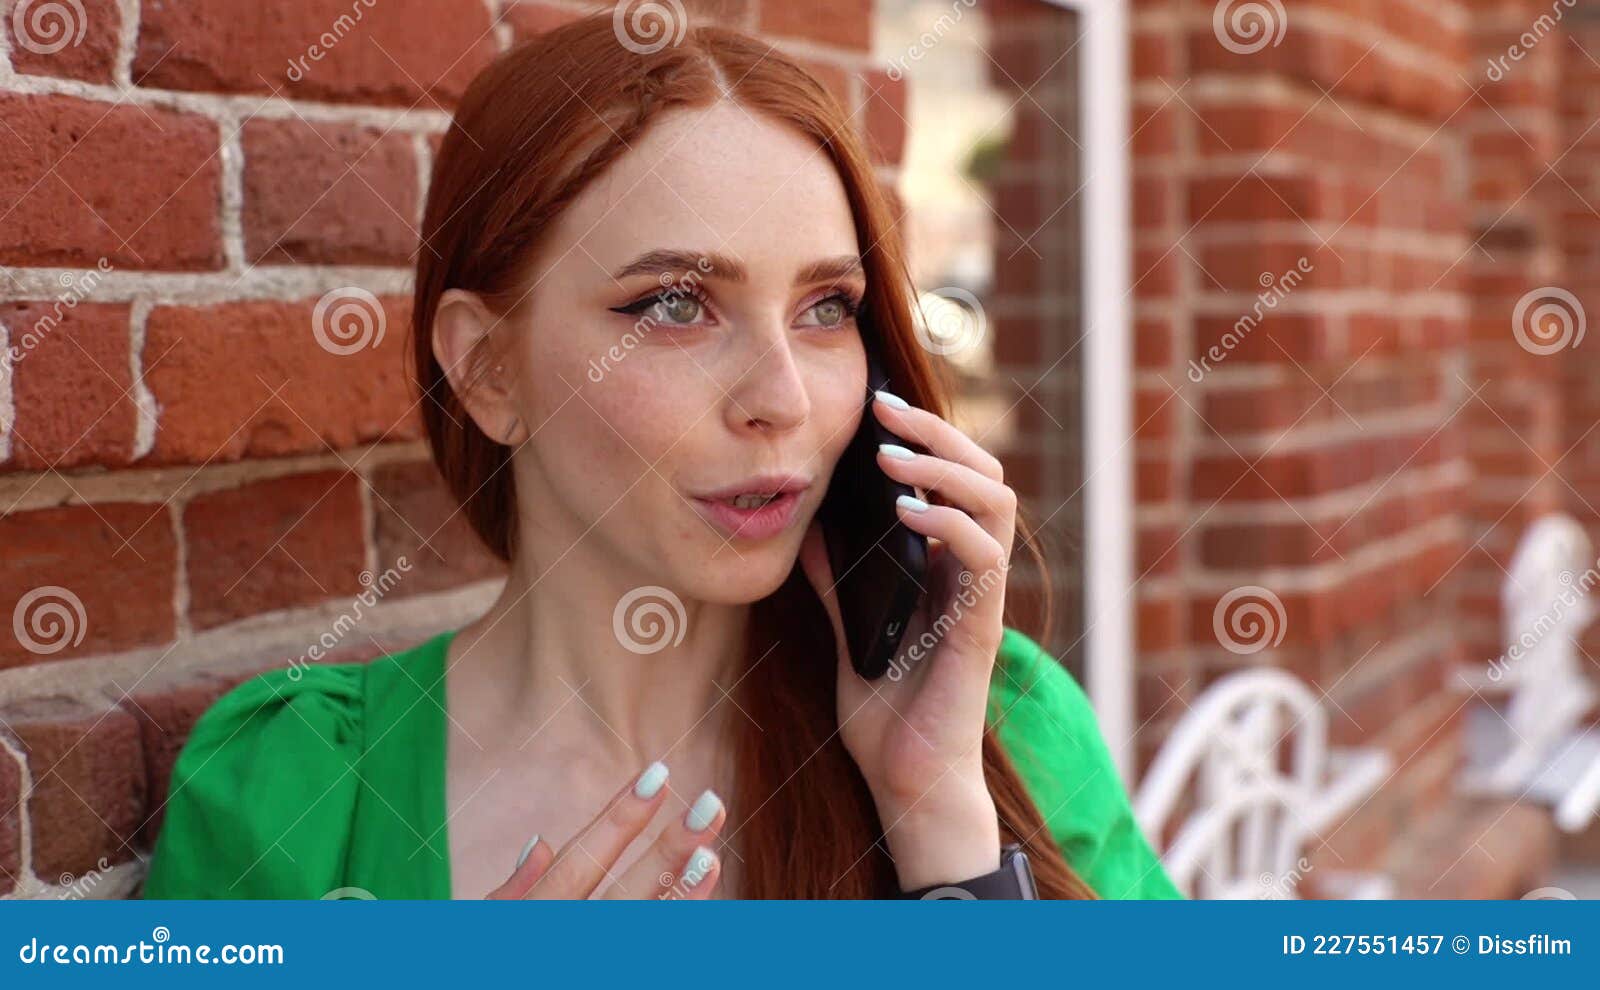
column 879, row 565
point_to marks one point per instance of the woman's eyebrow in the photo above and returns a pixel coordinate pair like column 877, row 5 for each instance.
column 666, row 261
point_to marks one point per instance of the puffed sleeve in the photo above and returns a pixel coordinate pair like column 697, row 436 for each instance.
column 1050, row 731
column 263, row 791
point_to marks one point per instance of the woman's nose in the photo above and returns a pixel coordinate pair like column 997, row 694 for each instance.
column 770, row 395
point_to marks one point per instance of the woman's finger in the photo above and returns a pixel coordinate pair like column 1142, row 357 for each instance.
column 700, row 875
column 666, row 869
column 940, row 437
column 977, row 551
column 535, row 858
column 990, row 502
column 584, row 862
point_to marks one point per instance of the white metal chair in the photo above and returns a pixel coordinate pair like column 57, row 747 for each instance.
column 1539, row 747
column 1253, row 753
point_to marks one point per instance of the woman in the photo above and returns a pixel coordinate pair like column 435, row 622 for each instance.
column 644, row 298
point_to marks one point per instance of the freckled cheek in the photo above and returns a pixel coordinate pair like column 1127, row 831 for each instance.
column 626, row 428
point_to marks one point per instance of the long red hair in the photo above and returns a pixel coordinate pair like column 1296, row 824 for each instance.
column 532, row 130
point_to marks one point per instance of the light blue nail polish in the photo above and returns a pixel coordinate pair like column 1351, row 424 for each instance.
column 912, row 503
column 891, row 400
column 705, row 808
column 700, row 863
column 896, row 451
column 651, row 780
column 527, row 849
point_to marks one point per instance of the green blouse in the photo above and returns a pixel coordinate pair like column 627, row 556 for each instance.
column 296, row 786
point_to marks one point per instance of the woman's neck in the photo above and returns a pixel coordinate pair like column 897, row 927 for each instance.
column 627, row 685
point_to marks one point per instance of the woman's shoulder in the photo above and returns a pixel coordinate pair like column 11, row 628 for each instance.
column 1049, row 729
column 263, row 791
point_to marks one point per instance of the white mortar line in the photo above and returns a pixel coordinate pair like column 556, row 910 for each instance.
column 8, row 405
column 127, row 44
column 144, row 437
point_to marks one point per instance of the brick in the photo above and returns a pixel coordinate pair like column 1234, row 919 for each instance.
column 1277, row 337
column 77, row 41
column 644, row 25
column 1158, row 549
column 117, row 563
column 273, row 544
column 10, row 823
column 88, row 793
column 416, row 518
column 884, row 110
column 843, row 23
column 1254, row 197
column 220, row 366
column 71, row 382
column 136, row 186
column 1160, row 625
column 398, row 52
column 529, row 20
column 328, row 194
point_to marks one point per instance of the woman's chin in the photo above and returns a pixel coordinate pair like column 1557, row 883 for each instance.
column 729, row 579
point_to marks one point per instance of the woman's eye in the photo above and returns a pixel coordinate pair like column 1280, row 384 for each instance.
column 679, row 309
column 834, row 311
column 668, row 308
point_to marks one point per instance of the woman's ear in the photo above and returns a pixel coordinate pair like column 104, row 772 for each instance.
column 463, row 344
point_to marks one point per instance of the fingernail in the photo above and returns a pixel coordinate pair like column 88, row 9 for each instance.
column 911, row 503
column 896, row 451
column 527, row 849
column 891, row 400
column 700, row 863
column 651, row 780
column 704, row 810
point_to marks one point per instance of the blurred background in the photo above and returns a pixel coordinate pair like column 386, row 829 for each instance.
column 1274, row 310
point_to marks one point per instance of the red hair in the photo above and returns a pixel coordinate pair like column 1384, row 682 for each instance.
column 532, row 130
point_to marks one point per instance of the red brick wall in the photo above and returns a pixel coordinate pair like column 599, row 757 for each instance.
column 184, row 186
column 1370, row 450
column 198, row 488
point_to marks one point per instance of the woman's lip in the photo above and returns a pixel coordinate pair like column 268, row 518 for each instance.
column 751, row 524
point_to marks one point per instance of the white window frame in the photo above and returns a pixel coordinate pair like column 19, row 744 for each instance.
column 1108, row 572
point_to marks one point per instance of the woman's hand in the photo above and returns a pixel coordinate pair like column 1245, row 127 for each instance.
column 679, row 865
column 916, row 733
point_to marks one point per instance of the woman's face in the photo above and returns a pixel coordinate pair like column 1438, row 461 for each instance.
column 747, row 365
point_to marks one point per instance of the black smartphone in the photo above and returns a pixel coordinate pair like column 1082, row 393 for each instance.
column 880, row 566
